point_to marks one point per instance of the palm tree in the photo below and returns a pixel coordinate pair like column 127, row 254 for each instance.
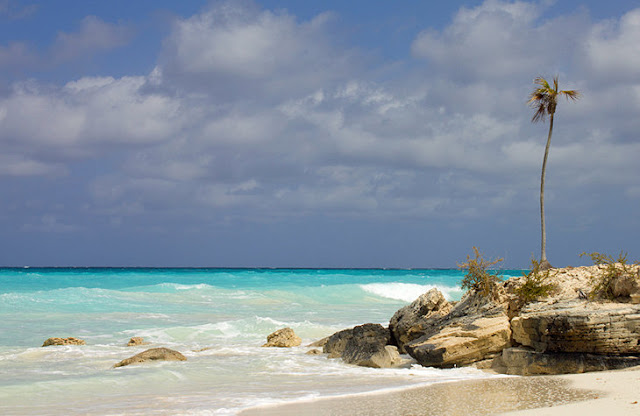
column 544, row 99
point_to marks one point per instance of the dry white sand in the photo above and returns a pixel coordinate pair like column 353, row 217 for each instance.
column 599, row 393
column 618, row 394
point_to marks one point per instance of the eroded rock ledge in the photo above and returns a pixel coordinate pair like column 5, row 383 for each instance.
column 563, row 333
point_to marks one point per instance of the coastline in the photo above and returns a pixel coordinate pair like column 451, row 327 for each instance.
column 595, row 393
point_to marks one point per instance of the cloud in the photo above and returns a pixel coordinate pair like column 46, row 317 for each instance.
column 19, row 165
column 93, row 35
column 258, row 115
column 486, row 42
column 16, row 55
column 235, row 50
column 612, row 49
column 15, row 11
column 83, row 116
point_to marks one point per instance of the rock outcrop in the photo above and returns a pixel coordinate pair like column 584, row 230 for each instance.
column 154, row 354
column 418, row 318
column 441, row 335
column 579, row 326
column 569, row 329
column 462, row 342
column 63, row 341
column 526, row 361
column 364, row 345
column 283, row 338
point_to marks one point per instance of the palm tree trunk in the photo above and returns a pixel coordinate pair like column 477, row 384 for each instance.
column 544, row 263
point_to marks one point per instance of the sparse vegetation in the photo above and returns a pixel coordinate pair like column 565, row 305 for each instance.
column 478, row 277
column 615, row 270
column 536, row 284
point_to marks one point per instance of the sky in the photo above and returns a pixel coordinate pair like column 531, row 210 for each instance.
column 281, row 133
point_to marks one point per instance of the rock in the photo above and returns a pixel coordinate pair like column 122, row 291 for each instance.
column 525, row 361
column 283, row 338
column 63, row 341
column 364, row 345
column 314, row 351
column 579, row 326
column 319, row 343
column 414, row 320
column 463, row 341
column 337, row 342
column 569, row 282
column 624, row 286
column 474, row 329
column 134, row 341
column 154, row 354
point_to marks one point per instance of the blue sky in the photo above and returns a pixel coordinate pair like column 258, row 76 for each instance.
column 314, row 134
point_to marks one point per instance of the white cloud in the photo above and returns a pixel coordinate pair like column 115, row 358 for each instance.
column 258, row 114
column 613, row 48
column 499, row 41
column 233, row 49
column 93, row 35
column 84, row 115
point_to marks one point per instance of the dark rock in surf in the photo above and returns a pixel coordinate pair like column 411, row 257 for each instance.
column 364, row 345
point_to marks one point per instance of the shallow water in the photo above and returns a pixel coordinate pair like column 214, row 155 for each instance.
column 227, row 311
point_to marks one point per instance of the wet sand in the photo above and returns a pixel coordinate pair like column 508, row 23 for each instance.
column 613, row 392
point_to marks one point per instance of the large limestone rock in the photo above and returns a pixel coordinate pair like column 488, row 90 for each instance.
column 525, row 362
column 474, row 329
column 579, row 326
column 63, row 341
column 412, row 321
column 154, row 354
column 462, row 342
column 283, row 338
column 364, row 345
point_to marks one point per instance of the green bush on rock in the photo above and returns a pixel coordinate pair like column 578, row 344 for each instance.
column 535, row 285
column 615, row 271
column 478, row 277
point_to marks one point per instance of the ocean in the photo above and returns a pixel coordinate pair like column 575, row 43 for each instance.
column 218, row 318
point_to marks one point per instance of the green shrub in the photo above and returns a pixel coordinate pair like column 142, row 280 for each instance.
column 535, row 284
column 614, row 269
column 478, row 278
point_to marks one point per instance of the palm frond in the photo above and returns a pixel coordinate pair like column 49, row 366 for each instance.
column 540, row 114
column 571, row 94
column 544, row 84
column 544, row 98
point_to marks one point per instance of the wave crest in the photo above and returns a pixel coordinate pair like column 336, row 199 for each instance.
column 408, row 292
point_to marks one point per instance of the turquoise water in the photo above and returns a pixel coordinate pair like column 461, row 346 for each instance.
column 226, row 312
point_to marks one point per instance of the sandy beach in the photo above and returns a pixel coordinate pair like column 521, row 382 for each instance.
column 597, row 393
column 618, row 394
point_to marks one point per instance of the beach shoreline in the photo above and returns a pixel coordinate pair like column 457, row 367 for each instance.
column 595, row 393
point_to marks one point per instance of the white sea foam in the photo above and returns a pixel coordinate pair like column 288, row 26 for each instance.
column 408, row 292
